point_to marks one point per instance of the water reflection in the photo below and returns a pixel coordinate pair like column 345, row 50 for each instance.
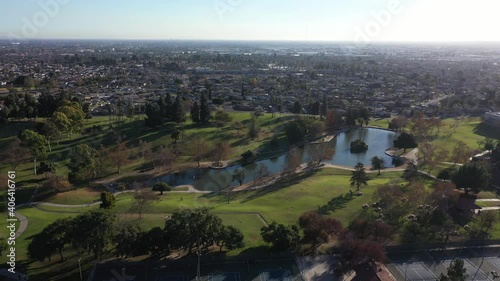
column 213, row 180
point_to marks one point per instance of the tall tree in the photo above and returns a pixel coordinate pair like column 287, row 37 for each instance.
column 161, row 187
column 53, row 238
column 297, row 107
column 471, row 177
column 405, row 141
column 229, row 237
column 204, row 109
column 359, row 176
column 35, row 143
column 456, row 272
column 220, row 153
column 107, row 200
column 82, row 163
column 195, row 112
column 199, row 149
column 324, row 107
column 143, row 199
column 239, row 176
column 119, row 156
column 378, row 163
column 282, row 237
column 179, row 116
column 93, row 231
column 14, row 154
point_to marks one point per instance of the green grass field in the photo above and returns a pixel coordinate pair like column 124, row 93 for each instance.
column 133, row 131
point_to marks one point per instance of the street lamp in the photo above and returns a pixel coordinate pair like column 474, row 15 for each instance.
column 80, row 267
column 406, row 269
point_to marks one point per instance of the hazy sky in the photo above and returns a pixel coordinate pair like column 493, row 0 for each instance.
column 324, row 20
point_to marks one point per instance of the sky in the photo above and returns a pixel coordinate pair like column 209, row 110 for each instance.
column 280, row 20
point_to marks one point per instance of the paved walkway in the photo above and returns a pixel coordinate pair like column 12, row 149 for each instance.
column 23, row 224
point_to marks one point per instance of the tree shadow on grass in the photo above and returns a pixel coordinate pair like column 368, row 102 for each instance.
column 336, row 203
column 281, row 183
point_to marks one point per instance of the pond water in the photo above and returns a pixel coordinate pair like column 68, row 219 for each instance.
column 213, row 180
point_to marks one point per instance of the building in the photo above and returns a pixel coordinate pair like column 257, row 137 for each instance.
column 492, row 118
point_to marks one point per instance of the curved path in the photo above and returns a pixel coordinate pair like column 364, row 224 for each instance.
column 23, row 224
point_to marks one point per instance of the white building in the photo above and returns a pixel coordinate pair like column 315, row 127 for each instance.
column 492, row 118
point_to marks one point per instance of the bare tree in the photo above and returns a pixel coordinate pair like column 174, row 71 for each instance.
column 119, row 156
column 143, row 199
column 293, row 161
column 321, row 152
column 15, row 154
column 220, row 152
column 262, row 173
column 199, row 148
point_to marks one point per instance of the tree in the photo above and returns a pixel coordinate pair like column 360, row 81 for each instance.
column 107, row 200
column 52, row 239
column 321, row 152
column 481, row 227
column 179, row 116
column 324, row 107
column 253, row 130
column 405, row 141
column 14, row 154
column 35, row 143
column 61, row 122
column 154, row 115
column 199, row 149
column 378, row 163
column 281, row 237
column 297, row 107
column 359, row 176
column 82, row 163
column 471, row 177
column 176, row 134
column 119, row 156
column 318, row 229
column 130, row 241
column 193, row 228
column 293, row 161
column 229, row 237
column 262, row 173
column 46, row 168
column 461, row 153
column 332, row 119
column 161, row 187
column 75, row 115
column 47, row 104
column 296, row 131
column 354, row 251
column 204, row 109
column 220, row 152
column 195, row 112
column 92, row 232
column 239, row 176
column 143, row 199
column 358, row 146
column 221, row 118
column 50, row 131
column 456, row 272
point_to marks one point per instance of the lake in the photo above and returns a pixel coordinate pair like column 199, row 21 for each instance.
column 213, row 180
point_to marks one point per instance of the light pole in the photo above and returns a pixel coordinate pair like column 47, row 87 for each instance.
column 406, row 269
column 80, row 267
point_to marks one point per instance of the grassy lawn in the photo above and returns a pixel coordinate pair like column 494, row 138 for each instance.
column 75, row 197
column 133, row 131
